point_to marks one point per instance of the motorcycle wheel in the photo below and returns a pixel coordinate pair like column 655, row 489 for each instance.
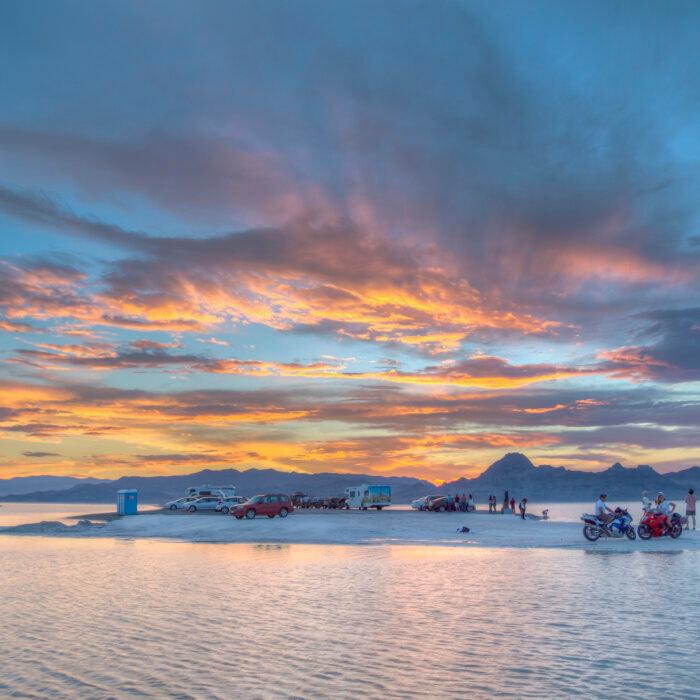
column 591, row 533
column 631, row 534
column 675, row 531
column 644, row 531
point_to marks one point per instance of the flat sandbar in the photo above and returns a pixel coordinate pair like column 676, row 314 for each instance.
column 353, row 527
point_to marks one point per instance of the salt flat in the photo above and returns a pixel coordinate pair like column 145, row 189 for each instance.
column 359, row 528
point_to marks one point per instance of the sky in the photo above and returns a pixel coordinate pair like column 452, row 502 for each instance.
column 399, row 238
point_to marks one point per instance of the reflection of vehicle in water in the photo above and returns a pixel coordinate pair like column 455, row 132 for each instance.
column 209, row 490
column 655, row 524
column 619, row 526
column 367, row 496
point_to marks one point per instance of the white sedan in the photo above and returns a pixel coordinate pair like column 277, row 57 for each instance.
column 225, row 505
column 179, row 503
column 204, row 503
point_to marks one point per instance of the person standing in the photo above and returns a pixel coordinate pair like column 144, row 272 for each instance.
column 512, row 505
column 523, row 507
column 506, row 501
column 690, row 508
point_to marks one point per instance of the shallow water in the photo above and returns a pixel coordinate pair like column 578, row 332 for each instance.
column 106, row 618
column 23, row 513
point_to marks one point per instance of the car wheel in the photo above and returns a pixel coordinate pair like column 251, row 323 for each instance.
column 192, row 509
column 225, row 510
column 283, row 513
column 380, row 507
column 173, row 507
column 442, row 509
column 250, row 514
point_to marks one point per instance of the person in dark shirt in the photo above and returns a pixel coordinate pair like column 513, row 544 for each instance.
column 523, row 508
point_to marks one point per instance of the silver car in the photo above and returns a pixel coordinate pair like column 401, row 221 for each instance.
column 204, row 503
column 180, row 503
column 225, row 505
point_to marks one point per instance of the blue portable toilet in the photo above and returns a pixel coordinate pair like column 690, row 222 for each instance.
column 127, row 501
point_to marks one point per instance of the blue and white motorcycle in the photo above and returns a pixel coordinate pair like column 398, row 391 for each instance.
column 619, row 526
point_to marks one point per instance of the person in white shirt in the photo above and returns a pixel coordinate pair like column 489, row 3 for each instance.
column 647, row 505
column 602, row 510
column 665, row 507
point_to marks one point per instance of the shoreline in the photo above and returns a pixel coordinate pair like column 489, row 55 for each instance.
column 399, row 527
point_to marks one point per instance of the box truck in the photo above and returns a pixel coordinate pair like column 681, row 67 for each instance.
column 367, row 496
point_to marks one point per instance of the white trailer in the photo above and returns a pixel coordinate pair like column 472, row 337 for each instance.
column 209, row 490
column 367, row 496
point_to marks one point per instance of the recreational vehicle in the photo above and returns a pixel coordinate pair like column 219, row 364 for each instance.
column 209, row 490
column 367, row 496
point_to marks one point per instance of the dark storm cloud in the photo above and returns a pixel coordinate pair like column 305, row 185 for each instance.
column 539, row 163
column 671, row 352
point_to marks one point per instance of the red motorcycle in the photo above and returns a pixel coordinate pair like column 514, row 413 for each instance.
column 658, row 525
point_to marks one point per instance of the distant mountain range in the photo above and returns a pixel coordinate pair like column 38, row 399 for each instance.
column 30, row 484
column 514, row 472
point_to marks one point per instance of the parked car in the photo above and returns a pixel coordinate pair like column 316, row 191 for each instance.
column 179, row 502
column 334, row 503
column 437, row 505
column 301, row 500
column 226, row 504
column 422, row 503
column 269, row 504
column 204, row 503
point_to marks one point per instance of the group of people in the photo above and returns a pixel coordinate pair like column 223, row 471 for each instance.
column 508, row 505
column 659, row 505
column 462, row 504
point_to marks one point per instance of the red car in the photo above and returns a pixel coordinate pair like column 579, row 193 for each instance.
column 269, row 504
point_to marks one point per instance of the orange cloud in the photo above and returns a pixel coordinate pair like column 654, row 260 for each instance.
column 325, row 277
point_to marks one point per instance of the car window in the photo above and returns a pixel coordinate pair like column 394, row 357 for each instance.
column 271, row 499
column 257, row 499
